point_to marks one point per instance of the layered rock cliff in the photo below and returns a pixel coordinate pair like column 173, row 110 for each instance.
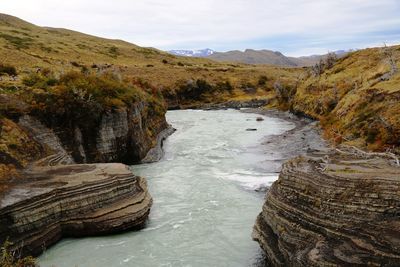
column 44, row 134
column 335, row 209
column 48, row 203
column 123, row 135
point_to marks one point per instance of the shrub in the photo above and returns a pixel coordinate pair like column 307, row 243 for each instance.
column 194, row 90
column 8, row 258
column 81, row 99
column 8, row 69
column 262, row 80
column 224, row 86
column 77, row 92
column 32, row 79
column 324, row 64
column 284, row 92
column 42, row 79
column 113, row 51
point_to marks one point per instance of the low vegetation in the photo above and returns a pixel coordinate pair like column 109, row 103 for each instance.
column 9, row 70
column 81, row 93
column 63, row 51
column 73, row 99
column 10, row 258
column 356, row 98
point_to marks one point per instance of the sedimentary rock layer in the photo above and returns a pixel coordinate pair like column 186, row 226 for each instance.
column 332, row 210
column 49, row 203
column 124, row 135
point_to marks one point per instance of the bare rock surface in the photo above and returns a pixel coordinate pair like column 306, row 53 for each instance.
column 332, row 209
column 48, row 203
column 157, row 152
column 47, row 138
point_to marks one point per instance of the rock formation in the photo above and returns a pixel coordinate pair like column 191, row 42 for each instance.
column 47, row 138
column 49, row 203
column 123, row 135
column 157, row 152
column 335, row 209
column 48, row 195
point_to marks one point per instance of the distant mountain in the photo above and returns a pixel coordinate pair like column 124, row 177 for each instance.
column 193, row 53
column 251, row 56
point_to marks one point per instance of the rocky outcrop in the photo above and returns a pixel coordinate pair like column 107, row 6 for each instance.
column 47, row 138
column 235, row 104
column 156, row 153
column 48, row 196
column 334, row 209
column 253, row 103
column 49, row 203
column 122, row 135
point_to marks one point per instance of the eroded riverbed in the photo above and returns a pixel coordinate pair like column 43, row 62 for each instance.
column 204, row 199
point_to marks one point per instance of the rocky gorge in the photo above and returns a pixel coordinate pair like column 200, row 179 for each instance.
column 54, row 191
column 70, row 116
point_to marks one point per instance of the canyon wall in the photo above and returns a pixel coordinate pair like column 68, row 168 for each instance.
column 49, row 191
column 335, row 209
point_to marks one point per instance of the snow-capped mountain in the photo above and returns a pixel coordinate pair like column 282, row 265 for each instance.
column 193, row 53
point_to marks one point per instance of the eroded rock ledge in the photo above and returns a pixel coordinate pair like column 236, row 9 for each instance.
column 332, row 210
column 49, row 203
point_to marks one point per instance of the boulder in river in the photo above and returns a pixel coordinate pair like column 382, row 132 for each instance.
column 259, row 119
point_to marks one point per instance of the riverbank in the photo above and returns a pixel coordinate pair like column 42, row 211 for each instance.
column 306, row 136
column 330, row 206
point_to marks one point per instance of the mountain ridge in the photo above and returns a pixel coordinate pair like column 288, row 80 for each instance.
column 253, row 56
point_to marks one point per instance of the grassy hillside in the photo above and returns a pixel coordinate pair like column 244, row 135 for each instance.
column 356, row 98
column 29, row 47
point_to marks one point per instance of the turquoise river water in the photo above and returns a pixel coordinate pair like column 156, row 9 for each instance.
column 205, row 203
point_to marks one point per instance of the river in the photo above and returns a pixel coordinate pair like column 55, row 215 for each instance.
column 205, row 202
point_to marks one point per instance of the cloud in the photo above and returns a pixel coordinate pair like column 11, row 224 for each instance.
column 286, row 25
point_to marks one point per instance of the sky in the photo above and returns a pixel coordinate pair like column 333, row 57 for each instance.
column 294, row 27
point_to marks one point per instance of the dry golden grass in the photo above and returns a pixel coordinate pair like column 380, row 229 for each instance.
column 357, row 100
column 29, row 47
